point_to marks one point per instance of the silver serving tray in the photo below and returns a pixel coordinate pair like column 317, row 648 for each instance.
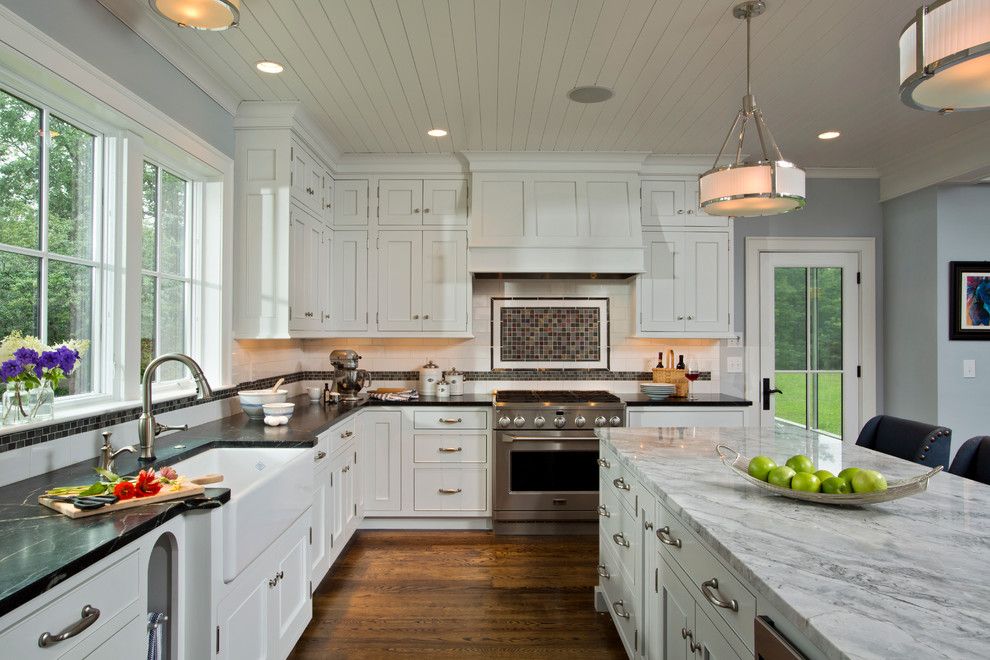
column 895, row 490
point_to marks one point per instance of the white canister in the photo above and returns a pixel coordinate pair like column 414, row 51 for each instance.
column 443, row 389
column 456, row 381
column 429, row 375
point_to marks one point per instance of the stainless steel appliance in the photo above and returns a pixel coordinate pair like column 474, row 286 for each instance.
column 546, row 459
column 347, row 377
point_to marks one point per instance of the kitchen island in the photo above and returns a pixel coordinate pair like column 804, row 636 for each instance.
column 902, row 579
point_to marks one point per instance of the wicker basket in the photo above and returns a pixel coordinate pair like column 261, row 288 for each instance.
column 675, row 377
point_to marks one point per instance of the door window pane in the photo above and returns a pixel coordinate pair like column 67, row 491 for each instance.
column 172, row 325
column 791, row 404
column 20, row 173
column 827, row 399
column 172, row 229
column 71, row 176
column 826, row 318
column 149, row 223
column 791, row 318
column 21, row 278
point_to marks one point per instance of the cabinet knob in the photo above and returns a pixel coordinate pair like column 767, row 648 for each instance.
column 415, row 210
column 426, row 316
column 680, row 318
column 690, row 318
column 680, row 211
column 426, row 210
column 329, row 205
column 415, row 316
column 690, row 211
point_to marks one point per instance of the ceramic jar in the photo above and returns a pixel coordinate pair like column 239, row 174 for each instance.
column 456, row 381
column 429, row 375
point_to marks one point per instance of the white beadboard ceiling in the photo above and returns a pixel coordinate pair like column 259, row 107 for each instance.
column 376, row 74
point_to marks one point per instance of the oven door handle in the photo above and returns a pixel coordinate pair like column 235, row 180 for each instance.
column 546, row 438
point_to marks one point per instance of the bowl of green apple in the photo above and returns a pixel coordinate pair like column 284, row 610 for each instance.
column 799, row 479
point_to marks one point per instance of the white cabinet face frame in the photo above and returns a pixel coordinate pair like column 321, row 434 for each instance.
column 601, row 304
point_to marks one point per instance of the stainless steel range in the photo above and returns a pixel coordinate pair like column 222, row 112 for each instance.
column 546, row 458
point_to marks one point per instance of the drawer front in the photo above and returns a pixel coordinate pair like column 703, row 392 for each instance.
column 610, row 510
column 453, row 418
column 112, row 591
column 342, row 433
column 703, row 568
column 450, row 448
column 450, row 489
column 622, row 606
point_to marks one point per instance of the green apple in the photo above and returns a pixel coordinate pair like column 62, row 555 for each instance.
column 836, row 485
column 868, row 481
column 781, row 476
column 759, row 466
column 807, row 482
column 848, row 473
column 800, row 463
column 823, row 475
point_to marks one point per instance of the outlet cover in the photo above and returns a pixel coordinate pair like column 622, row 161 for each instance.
column 969, row 368
column 734, row 365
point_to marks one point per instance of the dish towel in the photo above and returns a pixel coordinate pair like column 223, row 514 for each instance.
column 405, row 395
column 156, row 622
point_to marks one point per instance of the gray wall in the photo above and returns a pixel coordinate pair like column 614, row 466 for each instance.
column 963, row 235
column 88, row 29
column 836, row 208
column 909, row 309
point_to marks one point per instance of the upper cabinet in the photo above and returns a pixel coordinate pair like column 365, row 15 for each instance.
column 309, row 181
column 418, row 202
column 350, row 203
column 673, row 202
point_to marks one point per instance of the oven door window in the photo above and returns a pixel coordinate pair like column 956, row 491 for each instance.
column 553, row 471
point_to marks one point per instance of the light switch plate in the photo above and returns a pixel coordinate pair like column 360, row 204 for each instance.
column 734, row 365
column 969, row 368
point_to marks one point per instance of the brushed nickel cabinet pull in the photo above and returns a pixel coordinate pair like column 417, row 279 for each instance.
column 603, row 571
column 347, row 434
column 602, row 462
column 620, row 483
column 450, row 420
column 619, row 608
column 320, row 455
column 88, row 617
column 449, row 449
column 714, row 596
column 664, row 535
column 449, row 491
column 603, row 511
column 620, row 539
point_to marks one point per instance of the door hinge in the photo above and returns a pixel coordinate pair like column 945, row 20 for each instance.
column 292, row 153
column 859, row 278
column 290, row 312
column 311, row 536
column 218, row 640
column 366, row 317
column 859, row 371
column 355, row 458
column 656, row 580
column 331, row 479
column 355, row 509
column 311, row 590
column 376, row 318
column 636, row 639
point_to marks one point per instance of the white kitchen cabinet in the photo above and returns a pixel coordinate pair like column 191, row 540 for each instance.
column 423, row 284
column 400, row 202
column 319, row 535
column 349, row 281
column 310, row 271
column 345, row 508
column 326, row 213
column 687, row 287
column 350, row 203
column 381, row 460
column 418, row 202
column 134, row 635
column 445, row 202
column 673, row 202
column 292, row 607
column 307, row 179
column 672, row 416
column 450, row 489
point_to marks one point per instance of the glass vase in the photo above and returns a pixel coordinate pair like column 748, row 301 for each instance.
column 42, row 403
column 15, row 405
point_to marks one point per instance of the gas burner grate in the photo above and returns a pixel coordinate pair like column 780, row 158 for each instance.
column 555, row 396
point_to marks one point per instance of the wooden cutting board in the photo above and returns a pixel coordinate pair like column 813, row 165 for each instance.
column 190, row 488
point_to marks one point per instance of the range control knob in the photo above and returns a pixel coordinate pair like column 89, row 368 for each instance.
column 579, row 421
column 601, row 421
column 615, row 421
column 539, row 421
column 519, row 420
column 559, row 421
column 503, row 421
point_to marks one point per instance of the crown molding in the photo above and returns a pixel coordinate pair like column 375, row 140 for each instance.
column 555, row 161
column 288, row 115
column 453, row 164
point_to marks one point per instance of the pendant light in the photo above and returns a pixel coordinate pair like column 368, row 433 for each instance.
column 746, row 188
column 200, row 14
column 945, row 56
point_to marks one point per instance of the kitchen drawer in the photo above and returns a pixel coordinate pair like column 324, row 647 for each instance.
column 610, row 510
column 450, row 489
column 622, row 608
column 112, row 591
column 450, row 419
column 625, row 541
column 342, row 433
column 609, row 569
column 450, row 447
column 701, row 566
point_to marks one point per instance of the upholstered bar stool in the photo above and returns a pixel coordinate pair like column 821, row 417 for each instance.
column 904, row 438
column 973, row 459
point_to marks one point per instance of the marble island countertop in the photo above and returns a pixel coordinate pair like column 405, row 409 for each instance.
column 902, row 579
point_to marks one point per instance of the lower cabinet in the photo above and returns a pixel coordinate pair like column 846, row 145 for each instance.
column 659, row 417
column 381, row 449
column 319, row 531
column 264, row 615
column 450, row 489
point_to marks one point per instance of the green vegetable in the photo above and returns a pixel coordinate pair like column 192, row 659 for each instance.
column 96, row 489
column 108, row 475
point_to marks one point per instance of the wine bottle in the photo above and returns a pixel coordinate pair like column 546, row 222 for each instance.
column 660, row 360
column 680, row 362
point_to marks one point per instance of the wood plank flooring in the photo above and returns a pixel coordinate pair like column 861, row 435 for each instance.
column 460, row 595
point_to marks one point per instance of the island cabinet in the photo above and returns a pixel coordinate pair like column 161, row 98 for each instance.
column 668, row 416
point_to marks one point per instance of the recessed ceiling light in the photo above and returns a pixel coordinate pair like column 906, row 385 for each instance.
column 266, row 66
column 829, row 135
column 436, row 132
column 590, row 94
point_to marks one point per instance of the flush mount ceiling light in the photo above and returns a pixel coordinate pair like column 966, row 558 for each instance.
column 267, row 66
column 829, row 135
column 945, row 57
column 747, row 188
column 590, row 94
column 200, row 14
column 436, row 132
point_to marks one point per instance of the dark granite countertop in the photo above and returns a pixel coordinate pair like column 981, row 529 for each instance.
column 40, row 548
column 700, row 400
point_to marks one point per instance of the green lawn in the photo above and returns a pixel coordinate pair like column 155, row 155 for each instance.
column 791, row 404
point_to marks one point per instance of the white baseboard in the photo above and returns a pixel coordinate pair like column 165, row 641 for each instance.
column 478, row 524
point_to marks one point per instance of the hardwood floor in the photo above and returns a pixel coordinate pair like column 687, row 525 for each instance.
column 460, row 595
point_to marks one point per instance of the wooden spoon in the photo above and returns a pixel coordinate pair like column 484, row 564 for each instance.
column 278, row 384
column 207, row 479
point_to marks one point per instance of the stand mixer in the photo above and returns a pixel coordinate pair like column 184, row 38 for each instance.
column 347, row 377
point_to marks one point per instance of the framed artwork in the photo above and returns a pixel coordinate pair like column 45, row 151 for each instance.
column 969, row 300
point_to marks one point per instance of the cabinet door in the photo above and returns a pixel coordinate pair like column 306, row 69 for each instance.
column 245, row 633
column 319, row 546
column 706, row 282
column 445, row 202
column 400, row 280
column 664, row 203
column 337, row 519
column 350, row 203
column 676, row 611
column 292, row 607
column 445, row 281
column 698, row 218
column 714, row 645
column 306, row 241
column 400, row 202
column 324, row 275
column 349, row 265
column 328, row 193
column 381, row 460
column 661, row 289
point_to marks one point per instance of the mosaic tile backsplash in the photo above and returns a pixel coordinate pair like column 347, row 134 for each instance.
column 550, row 334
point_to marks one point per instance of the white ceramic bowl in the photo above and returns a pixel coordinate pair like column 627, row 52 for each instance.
column 278, row 409
column 253, row 400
